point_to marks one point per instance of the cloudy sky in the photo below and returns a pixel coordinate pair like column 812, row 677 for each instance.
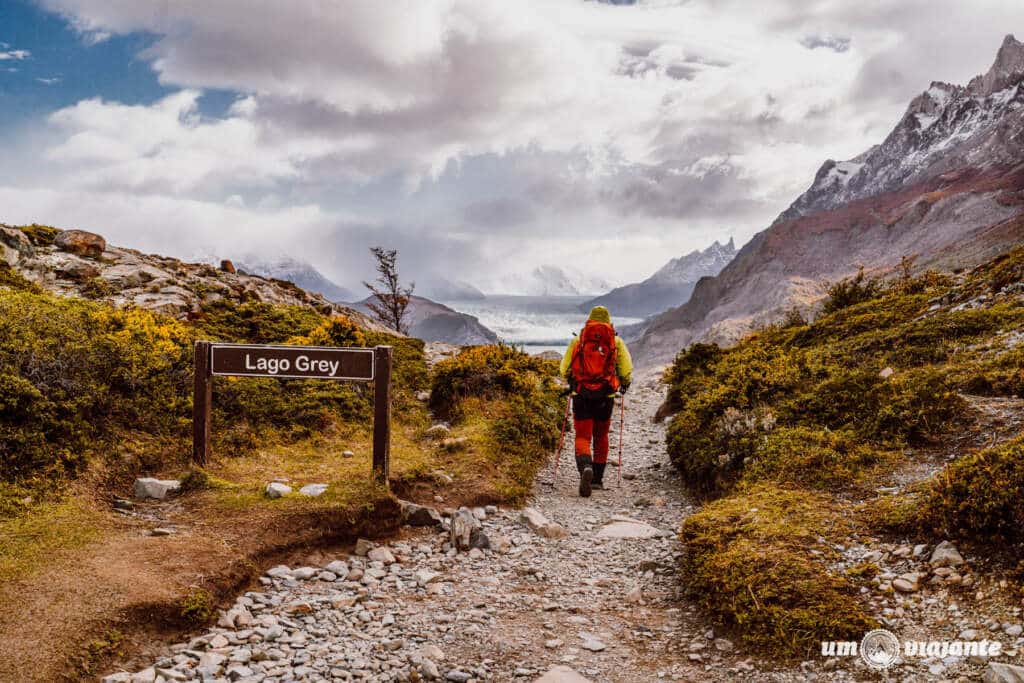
column 479, row 137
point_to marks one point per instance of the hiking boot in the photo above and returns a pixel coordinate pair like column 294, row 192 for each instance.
column 585, row 465
column 586, row 482
column 598, row 483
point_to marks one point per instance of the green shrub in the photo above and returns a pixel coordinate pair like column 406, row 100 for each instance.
column 908, row 406
column 10, row 278
column 71, row 370
column 851, row 291
column 197, row 607
column 487, row 373
column 255, row 322
column 980, row 497
column 513, row 397
column 40, row 235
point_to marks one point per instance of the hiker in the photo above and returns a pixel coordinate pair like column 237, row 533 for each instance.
column 598, row 367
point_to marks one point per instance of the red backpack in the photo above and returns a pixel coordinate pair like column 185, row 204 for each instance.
column 593, row 364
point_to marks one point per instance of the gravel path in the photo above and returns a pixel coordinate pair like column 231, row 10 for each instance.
column 558, row 595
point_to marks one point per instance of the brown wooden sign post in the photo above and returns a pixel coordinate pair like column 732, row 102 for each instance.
column 294, row 362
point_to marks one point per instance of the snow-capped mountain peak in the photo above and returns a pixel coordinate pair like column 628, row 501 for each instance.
column 301, row 273
column 695, row 265
column 944, row 128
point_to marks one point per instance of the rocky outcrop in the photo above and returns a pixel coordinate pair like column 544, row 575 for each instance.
column 14, row 246
column 946, row 187
column 66, row 263
column 669, row 287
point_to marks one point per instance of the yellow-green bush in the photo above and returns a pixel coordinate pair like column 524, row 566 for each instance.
column 487, row 372
column 749, row 562
column 12, row 279
column 70, row 370
column 980, row 497
column 799, row 411
column 814, row 458
column 519, row 399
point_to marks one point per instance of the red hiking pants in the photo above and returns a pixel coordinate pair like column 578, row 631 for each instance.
column 592, row 420
column 596, row 430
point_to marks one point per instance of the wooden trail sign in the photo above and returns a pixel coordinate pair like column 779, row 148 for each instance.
column 295, row 362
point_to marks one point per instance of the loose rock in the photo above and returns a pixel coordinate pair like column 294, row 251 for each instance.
column 277, row 490
column 156, row 489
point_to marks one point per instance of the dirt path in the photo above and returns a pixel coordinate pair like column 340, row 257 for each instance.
column 545, row 605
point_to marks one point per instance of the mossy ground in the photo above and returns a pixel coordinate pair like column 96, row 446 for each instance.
column 758, row 562
column 797, row 425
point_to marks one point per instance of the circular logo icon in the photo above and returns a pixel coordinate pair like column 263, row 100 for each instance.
column 880, row 649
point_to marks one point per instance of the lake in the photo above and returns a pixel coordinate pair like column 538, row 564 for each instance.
column 535, row 323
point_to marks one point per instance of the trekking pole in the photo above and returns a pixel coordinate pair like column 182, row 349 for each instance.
column 561, row 440
column 622, row 428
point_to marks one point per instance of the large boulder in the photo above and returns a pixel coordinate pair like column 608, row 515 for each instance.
column 276, row 489
column 76, row 270
column 81, row 243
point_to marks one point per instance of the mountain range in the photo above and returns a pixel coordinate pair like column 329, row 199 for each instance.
column 945, row 188
column 549, row 280
column 434, row 322
column 428, row 320
column 670, row 286
column 297, row 272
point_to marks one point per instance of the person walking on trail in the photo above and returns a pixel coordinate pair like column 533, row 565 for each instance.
column 598, row 367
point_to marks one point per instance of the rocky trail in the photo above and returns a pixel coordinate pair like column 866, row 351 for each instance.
column 568, row 589
column 571, row 589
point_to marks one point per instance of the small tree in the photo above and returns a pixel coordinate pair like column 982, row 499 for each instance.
column 392, row 297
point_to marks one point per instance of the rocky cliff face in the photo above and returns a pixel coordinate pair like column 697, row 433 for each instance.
column 946, row 187
column 670, row 286
column 78, row 263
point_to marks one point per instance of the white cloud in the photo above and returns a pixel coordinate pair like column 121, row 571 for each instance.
column 164, row 148
column 6, row 55
column 48, row 81
column 661, row 125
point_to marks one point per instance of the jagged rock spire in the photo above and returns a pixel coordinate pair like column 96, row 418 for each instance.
column 1007, row 70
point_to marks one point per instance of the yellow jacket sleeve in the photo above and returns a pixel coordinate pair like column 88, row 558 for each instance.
column 623, row 361
column 567, row 358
